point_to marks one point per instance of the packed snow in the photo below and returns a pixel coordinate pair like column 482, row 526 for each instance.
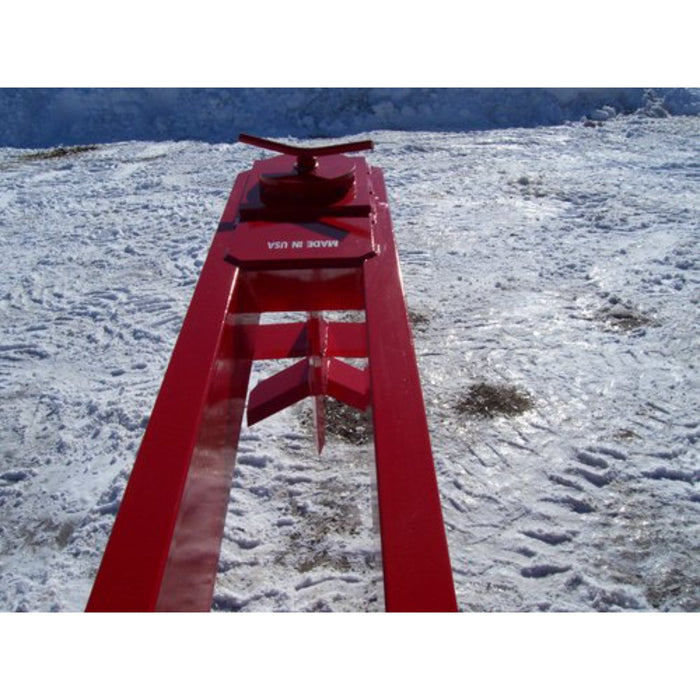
column 552, row 278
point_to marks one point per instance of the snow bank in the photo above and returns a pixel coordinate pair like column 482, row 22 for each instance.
column 32, row 118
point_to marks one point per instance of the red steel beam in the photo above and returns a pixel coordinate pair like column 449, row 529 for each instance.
column 415, row 557
column 275, row 341
column 165, row 541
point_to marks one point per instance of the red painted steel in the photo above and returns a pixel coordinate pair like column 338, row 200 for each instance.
column 313, row 235
column 174, row 506
column 280, row 340
column 315, row 151
column 415, row 557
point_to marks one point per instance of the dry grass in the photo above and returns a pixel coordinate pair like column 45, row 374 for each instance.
column 485, row 400
column 59, row 152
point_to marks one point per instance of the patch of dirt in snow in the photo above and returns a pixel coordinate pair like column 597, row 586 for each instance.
column 488, row 400
column 59, row 152
column 341, row 421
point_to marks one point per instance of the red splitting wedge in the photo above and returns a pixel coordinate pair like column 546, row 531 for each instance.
column 307, row 231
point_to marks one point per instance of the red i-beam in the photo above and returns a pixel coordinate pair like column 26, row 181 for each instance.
column 308, row 231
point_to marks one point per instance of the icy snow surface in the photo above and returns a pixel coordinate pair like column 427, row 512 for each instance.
column 561, row 262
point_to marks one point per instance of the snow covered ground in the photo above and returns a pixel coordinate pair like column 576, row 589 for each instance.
column 557, row 264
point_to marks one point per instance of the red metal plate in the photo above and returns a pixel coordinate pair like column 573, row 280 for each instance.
column 282, row 245
column 303, row 232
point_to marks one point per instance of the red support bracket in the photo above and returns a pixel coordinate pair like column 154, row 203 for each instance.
column 330, row 377
column 308, row 230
